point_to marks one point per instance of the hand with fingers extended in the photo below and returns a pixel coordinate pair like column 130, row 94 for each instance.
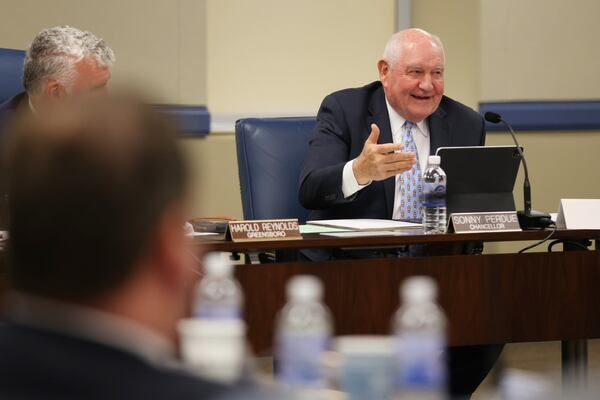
column 377, row 162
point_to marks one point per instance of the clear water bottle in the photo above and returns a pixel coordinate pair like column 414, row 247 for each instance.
column 420, row 342
column 213, row 340
column 434, row 197
column 303, row 336
column 218, row 294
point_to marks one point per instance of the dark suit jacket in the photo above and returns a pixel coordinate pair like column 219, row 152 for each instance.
column 8, row 110
column 39, row 364
column 343, row 125
column 10, row 107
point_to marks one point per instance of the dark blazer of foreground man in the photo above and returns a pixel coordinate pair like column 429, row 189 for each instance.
column 99, row 266
column 353, row 141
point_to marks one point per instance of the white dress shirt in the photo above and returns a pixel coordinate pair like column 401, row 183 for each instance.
column 420, row 133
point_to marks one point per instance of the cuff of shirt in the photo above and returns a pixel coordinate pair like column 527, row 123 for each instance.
column 349, row 183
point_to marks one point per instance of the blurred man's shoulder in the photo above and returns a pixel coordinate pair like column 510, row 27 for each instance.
column 94, row 370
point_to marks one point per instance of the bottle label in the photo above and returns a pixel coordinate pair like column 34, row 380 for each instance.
column 299, row 359
column 217, row 312
column 420, row 361
column 434, row 194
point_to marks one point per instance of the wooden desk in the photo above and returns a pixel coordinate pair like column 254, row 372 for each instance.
column 499, row 298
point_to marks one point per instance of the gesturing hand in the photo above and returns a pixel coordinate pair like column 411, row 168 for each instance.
column 377, row 162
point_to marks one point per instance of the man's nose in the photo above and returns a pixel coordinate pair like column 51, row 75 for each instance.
column 426, row 83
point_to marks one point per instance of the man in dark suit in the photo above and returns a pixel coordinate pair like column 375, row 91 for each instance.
column 354, row 137
column 369, row 149
column 99, row 267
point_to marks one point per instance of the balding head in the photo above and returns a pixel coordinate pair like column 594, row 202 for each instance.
column 412, row 73
column 408, row 38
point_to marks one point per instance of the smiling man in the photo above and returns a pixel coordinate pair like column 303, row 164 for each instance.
column 368, row 151
column 370, row 142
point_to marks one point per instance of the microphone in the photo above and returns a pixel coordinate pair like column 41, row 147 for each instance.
column 528, row 218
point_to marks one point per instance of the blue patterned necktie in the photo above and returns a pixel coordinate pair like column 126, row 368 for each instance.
column 410, row 182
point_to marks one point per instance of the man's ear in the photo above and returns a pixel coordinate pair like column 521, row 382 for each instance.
column 53, row 89
column 170, row 249
column 384, row 69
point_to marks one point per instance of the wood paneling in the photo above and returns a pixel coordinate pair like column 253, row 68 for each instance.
column 488, row 299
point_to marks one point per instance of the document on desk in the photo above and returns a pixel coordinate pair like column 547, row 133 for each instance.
column 367, row 224
column 201, row 234
column 353, row 234
column 308, row 228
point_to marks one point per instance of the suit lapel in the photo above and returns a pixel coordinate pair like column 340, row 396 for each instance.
column 378, row 114
column 439, row 130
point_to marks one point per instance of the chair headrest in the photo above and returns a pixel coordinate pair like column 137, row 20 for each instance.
column 11, row 73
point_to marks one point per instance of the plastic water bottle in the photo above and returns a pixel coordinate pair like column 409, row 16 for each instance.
column 434, row 197
column 215, row 349
column 420, row 341
column 219, row 295
column 213, row 341
column 303, row 335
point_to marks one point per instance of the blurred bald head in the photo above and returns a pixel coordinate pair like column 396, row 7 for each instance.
column 89, row 182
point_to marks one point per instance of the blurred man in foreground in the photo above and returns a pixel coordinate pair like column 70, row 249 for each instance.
column 99, row 265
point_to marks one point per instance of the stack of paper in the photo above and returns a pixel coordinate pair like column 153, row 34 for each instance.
column 367, row 224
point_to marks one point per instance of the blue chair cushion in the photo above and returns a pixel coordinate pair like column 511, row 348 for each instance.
column 11, row 73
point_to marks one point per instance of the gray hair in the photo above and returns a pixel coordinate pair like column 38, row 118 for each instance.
column 393, row 47
column 54, row 52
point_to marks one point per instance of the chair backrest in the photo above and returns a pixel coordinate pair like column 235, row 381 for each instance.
column 270, row 152
column 11, row 73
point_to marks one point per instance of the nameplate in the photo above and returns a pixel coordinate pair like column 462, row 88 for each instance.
column 578, row 214
column 263, row 230
column 499, row 221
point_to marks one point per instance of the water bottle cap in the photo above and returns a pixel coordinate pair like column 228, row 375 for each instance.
column 434, row 160
column 304, row 288
column 217, row 264
column 418, row 289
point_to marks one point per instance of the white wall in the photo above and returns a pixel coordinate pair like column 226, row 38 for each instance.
column 540, row 49
column 159, row 44
column 284, row 56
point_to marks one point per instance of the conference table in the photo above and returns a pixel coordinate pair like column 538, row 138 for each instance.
column 490, row 298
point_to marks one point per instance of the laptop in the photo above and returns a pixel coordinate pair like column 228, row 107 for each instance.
column 480, row 178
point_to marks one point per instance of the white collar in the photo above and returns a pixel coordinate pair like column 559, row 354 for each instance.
column 30, row 104
column 397, row 121
column 91, row 324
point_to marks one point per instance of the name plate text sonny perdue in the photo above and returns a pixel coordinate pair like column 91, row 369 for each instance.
column 498, row 221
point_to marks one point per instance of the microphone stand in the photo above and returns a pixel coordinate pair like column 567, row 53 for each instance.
column 528, row 218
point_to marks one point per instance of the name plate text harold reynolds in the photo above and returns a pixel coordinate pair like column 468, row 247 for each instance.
column 259, row 230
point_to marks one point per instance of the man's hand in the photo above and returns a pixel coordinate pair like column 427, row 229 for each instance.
column 377, row 162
